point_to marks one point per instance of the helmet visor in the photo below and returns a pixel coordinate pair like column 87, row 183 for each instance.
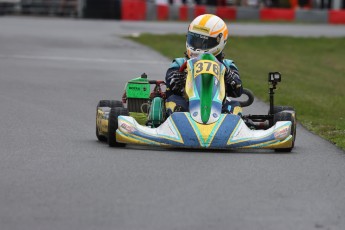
column 198, row 41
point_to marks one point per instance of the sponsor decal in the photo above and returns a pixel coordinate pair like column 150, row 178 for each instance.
column 204, row 37
column 281, row 134
column 195, row 114
column 134, row 88
column 201, row 28
column 215, row 115
column 128, row 128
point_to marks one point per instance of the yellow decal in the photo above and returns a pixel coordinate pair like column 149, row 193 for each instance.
column 205, row 19
column 222, row 86
column 237, row 110
column 206, row 66
column 201, row 28
column 170, row 105
column 287, row 143
column 209, row 131
column 189, row 82
column 134, row 139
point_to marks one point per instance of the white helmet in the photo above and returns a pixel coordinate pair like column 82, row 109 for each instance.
column 206, row 33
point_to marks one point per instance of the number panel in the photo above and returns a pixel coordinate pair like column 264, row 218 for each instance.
column 206, row 66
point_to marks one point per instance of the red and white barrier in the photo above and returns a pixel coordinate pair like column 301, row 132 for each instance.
column 133, row 10
column 227, row 13
column 138, row 10
column 336, row 16
column 272, row 14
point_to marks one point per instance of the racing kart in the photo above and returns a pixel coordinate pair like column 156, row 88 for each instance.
column 205, row 126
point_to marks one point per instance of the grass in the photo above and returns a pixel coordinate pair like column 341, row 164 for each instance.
column 313, row 74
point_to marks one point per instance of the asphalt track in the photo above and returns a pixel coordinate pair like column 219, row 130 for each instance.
column 55, row 175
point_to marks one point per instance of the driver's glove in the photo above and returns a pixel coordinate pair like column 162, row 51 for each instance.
column 177, row 81
column 232, row 79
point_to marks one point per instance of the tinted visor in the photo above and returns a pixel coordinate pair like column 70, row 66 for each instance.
column 198, row 41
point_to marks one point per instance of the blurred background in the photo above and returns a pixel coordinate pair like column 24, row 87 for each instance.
column 114, row 9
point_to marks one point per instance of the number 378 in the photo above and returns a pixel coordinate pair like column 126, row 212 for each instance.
column 210, row 67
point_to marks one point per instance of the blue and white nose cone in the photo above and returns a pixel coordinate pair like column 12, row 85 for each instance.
column 196, row 112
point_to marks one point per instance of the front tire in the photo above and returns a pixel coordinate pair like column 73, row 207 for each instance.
column 113, row 125
column 110, row 104
column 100, row 137
column 287, row 116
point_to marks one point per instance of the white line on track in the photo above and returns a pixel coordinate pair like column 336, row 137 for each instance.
column 80, row 59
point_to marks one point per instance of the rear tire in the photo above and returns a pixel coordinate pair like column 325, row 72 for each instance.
column 281, row 108
column 113, row 125
column 110, row 103
column 287, row 116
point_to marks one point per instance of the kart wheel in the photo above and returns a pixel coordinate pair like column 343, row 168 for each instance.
column 99, row 137
column 281, row 108
column 113, row 125
column 110, row 103
column 106, row 103
column 287, row 116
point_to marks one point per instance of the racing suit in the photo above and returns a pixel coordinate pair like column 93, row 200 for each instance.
column 175, row 82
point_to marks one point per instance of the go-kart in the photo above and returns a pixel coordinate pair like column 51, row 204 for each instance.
column 144, row 121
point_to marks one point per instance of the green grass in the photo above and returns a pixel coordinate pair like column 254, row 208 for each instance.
column 313, row 74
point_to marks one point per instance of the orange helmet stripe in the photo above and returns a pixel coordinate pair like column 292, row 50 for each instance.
column 225, row 35
column 215, row 24
column 218, row 31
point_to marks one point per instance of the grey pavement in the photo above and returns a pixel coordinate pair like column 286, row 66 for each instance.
column 55, row 175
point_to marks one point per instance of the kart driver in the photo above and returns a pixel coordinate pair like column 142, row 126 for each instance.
column 206, row 33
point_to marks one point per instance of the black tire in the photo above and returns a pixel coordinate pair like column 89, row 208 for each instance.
column 106, row 103
column 287, row 116
column 281, row 108
column 113, row 125
column 99, row 137
column 110, row 103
